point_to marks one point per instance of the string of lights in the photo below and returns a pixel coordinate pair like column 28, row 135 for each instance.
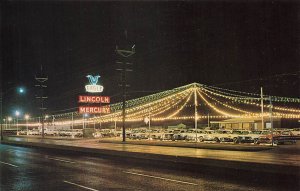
column 168, row 105
column 226, row 105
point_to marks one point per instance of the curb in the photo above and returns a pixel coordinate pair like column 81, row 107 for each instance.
column 229, row 147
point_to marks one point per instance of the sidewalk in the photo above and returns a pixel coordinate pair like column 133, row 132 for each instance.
column 260, row 161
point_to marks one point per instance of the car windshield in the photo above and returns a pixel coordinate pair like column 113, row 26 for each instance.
column 285, row 133
column 265, row 132
column 256, row 132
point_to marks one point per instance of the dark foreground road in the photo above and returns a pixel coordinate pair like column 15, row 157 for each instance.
column 42, row 170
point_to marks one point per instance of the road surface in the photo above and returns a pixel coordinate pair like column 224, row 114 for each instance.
column 42, row 170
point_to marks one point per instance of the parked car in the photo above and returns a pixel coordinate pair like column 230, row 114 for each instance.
column 285, row 137
column 296, row 132
column 209, row 135
column 34, row 132
column 266, row 137
column 156, row 133
column 107, row 132
column 189, row 134
column 242, row 136
column 178, row 134
column 117, row 133
column 223, row 136
column 22, row 132
column 51, row 132
column 196, row 135
column 138, row 134
column 167, row 134
column 97, row 134
column 62, row 133
column 256, row 134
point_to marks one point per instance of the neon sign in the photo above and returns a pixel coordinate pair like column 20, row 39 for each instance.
column 93, row 99
column 93, row 87
column 89, row 109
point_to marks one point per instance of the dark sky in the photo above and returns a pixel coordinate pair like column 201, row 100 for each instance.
column 230, row 44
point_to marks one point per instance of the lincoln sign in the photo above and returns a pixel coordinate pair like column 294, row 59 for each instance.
column 94, row 99
column 94, row 88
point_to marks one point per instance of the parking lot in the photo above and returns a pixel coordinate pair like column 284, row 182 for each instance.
column 205, row 136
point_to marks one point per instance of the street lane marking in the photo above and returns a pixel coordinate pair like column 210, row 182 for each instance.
column 62, row 160
column 161, row 178
column 8, row 164
column 80, row 185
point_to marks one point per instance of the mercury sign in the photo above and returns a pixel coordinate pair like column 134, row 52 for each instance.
column 104, row 109
column 93, row 87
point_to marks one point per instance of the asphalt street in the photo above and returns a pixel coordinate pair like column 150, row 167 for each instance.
column 39, row 169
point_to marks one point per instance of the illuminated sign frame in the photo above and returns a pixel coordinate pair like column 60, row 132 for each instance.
column 93, row 87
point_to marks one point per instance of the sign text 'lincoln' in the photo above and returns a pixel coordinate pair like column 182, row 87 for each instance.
column 94, row 99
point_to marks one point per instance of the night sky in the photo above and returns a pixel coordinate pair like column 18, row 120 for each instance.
column 230, row 44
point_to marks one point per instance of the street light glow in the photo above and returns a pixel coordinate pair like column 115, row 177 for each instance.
column 17, row 113
column 21, row 90
column 26, row 116
column 9, row 118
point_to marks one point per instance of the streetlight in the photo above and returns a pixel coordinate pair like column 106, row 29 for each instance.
column 83, row 123
column 20, row 91
column 26, row 118
column 9, row 120
column 17, row 113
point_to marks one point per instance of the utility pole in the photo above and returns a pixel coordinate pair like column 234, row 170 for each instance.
column 41, row 85
column 271, row 119
column 262, row 108
column 72, row 123
column 124, row 55
column 208, row 120
column 196, row 116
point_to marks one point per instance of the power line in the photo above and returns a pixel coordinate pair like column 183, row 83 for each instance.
column 259, row 79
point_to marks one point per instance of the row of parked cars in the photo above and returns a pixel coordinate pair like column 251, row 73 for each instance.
column 221, row 135
column 51, row 132
column 280, row 136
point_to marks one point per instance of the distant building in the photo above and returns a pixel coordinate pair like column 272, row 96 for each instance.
column 247, row 123
column 179, row 126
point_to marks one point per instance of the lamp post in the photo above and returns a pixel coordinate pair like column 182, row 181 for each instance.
column 9, row 119
column 20, row 90
column 84, row 117
column 26, row 118
column 17, row 113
